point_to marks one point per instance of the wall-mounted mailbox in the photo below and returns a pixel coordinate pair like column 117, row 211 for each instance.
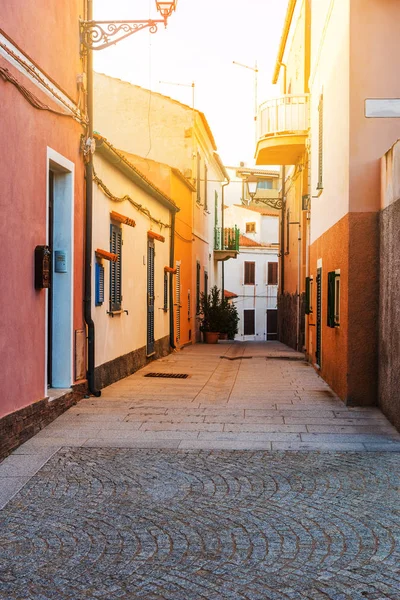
column 42, row 267
column 60, row 261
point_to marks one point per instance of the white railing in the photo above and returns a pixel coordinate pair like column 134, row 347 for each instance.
column 285, row 114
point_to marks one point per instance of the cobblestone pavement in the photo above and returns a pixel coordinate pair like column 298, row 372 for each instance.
column 114, row 523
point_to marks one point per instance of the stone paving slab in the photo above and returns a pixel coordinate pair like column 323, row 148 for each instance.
column 104, row 523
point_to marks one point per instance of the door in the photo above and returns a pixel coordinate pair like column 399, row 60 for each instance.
column 319, row 317
column 150, row 297
column 50, row 289
column 178, row 305
column 272, row 324
column 249, row 323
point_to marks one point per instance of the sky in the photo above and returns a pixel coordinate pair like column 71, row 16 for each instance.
column 202, row 40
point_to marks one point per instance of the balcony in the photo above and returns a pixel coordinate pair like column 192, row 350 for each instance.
column 226, row 242
column 282, row 130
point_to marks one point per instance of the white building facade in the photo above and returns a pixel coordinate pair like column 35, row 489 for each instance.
column 253, row 276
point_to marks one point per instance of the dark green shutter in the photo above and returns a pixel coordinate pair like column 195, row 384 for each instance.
column 197, row 288
column 307, row 299
column 99, row 299
column 318, row 350
column 116, row 269
column 331, row 298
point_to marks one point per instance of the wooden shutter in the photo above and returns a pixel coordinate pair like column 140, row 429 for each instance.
column 320, row 142
column 319, row 315
column 198, row 190
column 116, row 269
column 331, row 298
column 165, row 291
column 205, row 187
column 205, row 283
column 273, row 273
column 178, row 300
column 307, row 298
column 99, row 284
column 249, row 273
column 150, row 296
column 197, row 288
column 249, row 322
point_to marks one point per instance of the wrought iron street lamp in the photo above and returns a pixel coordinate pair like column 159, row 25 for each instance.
column 96, row 35
column 252, row 184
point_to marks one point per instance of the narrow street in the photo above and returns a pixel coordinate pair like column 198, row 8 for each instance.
column 194, row 488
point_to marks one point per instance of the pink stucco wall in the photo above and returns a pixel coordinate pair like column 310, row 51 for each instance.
column 374, row 73
column 25, row 134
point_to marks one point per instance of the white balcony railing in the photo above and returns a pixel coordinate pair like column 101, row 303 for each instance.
column 283, row 115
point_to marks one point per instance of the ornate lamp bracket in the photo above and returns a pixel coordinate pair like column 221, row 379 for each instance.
column 272, row 202
column 96, row 35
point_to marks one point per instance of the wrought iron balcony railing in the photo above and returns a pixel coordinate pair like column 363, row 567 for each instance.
column 282, row 115
column 226, row 239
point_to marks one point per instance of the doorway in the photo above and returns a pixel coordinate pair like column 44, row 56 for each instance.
column 272, row 324
column 60, row 239
column 319, row 318
column 150, row 297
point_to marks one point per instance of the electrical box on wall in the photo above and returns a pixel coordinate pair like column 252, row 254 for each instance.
column 60, row 261
column 42, row 267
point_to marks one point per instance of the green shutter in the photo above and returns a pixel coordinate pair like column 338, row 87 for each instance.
column 116, row 269
column 307, row 299
column 331, row 298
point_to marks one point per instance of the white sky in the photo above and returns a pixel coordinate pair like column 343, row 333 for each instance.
column 202, row 39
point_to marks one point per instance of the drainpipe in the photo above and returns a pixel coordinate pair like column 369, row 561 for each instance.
column 223, row 185
column 282, row 252
column 171, row 291
column 89, row 220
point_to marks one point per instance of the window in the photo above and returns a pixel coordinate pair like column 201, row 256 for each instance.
column 205, row 283
column 309, row 295
column 266, row 184
column 99, row 284
column 249, row 273
column 115, row 269
column 165, row 291
column 250, row 227
column 197, row 287
column 198, row 190
column 249, row 322
column 320, row 142
column 333, row 298
column 205, row 187
column 189, row 304
column 272, row 273
column 216, row 208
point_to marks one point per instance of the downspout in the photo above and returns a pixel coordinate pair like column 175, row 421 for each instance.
column 171, row 291
column 89, row 220
column 223, row 185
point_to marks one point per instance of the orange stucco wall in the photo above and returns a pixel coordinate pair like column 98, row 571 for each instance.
column 349, row 352
column 25, row 134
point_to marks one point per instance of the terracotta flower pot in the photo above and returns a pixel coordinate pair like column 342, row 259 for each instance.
column 211, row 337
column 223, row 336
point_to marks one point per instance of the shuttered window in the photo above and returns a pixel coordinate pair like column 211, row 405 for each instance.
column 250, row 227
column 178, row 300
column 333, row 299
column 308, row 308
column 205, row 283
column 249, row 273
column 249, row 322
column 198, row 190
column 320, row 142
column 273, row 273
column 99, row 285
column 205, row 187
column 197, row 288
column 116, row 269
column 165, row 291
column 319, row 315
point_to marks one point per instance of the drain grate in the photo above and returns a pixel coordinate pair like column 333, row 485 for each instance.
column 168, row 375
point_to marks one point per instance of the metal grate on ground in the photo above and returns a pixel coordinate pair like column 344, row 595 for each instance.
column 168, row 375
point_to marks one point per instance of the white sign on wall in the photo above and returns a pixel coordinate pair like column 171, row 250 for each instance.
column 382, row 108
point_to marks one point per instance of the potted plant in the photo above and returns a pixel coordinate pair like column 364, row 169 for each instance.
column 211, row 315
column 229, row 320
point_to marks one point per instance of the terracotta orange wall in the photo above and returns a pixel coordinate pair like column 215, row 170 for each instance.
column 296, row 214
column 374, row 73
column 183, row 253
column 25, row 135
column 37, row 26
column 333, row 248
column 200, row 253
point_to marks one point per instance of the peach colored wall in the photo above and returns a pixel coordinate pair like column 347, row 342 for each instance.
column 39, row 25
column 374, row 73
column 26, row 133
column 330, row 76
column 295, row 189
